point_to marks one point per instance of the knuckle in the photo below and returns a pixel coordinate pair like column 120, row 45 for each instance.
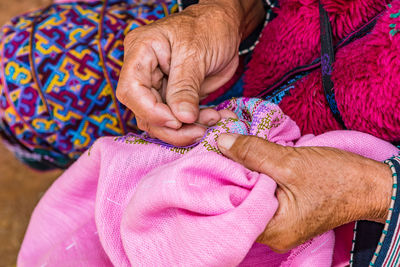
column 290, row 163
column 135, row 34
column 246, row 145
column 143, row 125
column 122, row 94
column 156, row 83
column 130, row 39
column 288, row 171
column 139, row 55
column 186, row 91
column 137, row 49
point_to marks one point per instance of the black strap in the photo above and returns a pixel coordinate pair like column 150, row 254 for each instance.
column 327, row 59
column 366, row 239
column 186, row 3
column 362, row 31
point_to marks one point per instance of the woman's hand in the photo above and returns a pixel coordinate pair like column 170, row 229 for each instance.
column 319, row 188
column 169, row 65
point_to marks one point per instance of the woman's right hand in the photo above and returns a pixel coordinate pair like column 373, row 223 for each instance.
column 170, row 64
column 319, row 188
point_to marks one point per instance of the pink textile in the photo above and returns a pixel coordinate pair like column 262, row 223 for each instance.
column 129, row 201
column 365, row 73
column 73, row 1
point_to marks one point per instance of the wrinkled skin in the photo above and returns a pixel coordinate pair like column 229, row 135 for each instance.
column 319, row 188
column 171, row 64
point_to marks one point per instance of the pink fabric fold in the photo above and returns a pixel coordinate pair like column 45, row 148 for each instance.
column 73, row 1
column 133, row 201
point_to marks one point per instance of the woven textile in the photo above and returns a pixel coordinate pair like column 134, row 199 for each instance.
column 59, row 69
column 365, row 73
column 136, row 201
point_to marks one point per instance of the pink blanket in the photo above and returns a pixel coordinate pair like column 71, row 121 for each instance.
column 72, row 1
column 129, row 201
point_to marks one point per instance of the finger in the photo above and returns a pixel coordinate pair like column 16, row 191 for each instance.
column 186, row 135
column 215, row 81
column 225, row 114
column 209, row 117
column 203, row 96
column 135, row 83
column 157, row 95
column 157, row 79
column 163, row 53
column 163, row 90
column 185, row 77
column 254, row 153
column 142, row 124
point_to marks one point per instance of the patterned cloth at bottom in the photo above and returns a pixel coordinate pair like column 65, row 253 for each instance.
column 134, row 201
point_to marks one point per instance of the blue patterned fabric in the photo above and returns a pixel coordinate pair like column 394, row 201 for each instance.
column 58, row 75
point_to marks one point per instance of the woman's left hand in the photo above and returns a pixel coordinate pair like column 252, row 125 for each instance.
column 319, row 188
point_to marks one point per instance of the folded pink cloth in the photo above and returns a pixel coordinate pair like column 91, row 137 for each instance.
column 136, row 201
column 73, row 1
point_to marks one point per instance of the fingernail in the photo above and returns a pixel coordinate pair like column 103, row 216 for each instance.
column 211, row 123
column 225, row 141
column 199, row 133
column 173, row 124
column 185, row 107
column 199, row 124
column 198, row 139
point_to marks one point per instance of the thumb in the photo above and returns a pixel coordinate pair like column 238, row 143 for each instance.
column 254, row 153
column 183, row 89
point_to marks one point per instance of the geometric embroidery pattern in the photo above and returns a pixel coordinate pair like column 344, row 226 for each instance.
column 59, row 69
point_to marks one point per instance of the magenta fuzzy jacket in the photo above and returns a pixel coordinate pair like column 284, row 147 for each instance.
column 365, row 74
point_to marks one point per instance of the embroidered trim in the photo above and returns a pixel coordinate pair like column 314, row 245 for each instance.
column 355, row 35
column 267, row 19
column 387, row 222
column 267, row 3
column 255, row 116
column 394, row 29
column 353, row 244
column 180, row 5
column 385, row 230
column 392, row 256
